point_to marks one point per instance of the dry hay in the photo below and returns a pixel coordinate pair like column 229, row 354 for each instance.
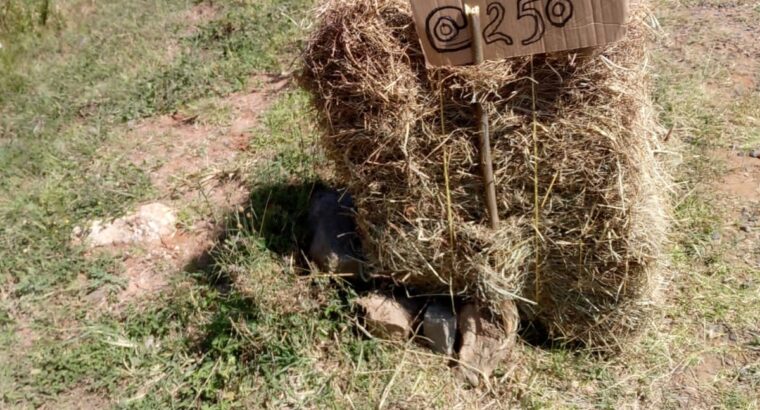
column 393, row 127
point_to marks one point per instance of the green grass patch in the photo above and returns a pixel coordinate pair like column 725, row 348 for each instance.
column 73, row 86
column 67, row 89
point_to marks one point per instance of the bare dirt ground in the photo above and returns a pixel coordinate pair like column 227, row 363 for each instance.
column 193, row 167
column 723, row 32
column 720, row 40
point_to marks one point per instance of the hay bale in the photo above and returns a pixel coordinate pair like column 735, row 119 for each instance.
column 396, row 129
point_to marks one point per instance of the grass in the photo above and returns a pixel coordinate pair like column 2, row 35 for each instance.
column 247, row 330
column 59, row 108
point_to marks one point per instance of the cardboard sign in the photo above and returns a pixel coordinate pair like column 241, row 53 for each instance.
column 514, row 28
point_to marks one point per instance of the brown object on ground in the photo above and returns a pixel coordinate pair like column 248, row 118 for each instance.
column 485, row 344
column 393, row 126
column 386, row 317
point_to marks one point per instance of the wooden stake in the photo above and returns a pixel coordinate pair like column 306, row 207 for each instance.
column 486, row 162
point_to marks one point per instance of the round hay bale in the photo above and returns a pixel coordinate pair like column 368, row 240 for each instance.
column 403, row 138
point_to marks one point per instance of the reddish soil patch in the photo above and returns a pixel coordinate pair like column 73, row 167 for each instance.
column 177, row 150
column 201, row 12
column 188, row 160
column 77, row 399
column 742, row 177
column 724, row 33
column 737, row 193
column 149, row 270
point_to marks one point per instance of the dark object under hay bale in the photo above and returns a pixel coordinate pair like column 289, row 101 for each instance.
column 333, row 245
column 398, row 131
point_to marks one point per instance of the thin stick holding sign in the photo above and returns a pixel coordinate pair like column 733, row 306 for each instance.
column 486, row 162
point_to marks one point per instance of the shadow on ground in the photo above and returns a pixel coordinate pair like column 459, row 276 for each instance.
column 261, row 319
column 276, row 215
column 257, row 309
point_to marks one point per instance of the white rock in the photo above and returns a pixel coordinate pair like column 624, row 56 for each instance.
column 149, row 224
column 386, row 317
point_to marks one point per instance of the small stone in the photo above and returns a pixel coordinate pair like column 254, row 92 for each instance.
column 150, row 343
column 731, row 334
column 714, row 331
column 98, row 296
column 335, row 246
column 755, row 153
column 745, row 228
column 715, row 236
column 439, row 327
column 386, row 317
column 484, row 344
